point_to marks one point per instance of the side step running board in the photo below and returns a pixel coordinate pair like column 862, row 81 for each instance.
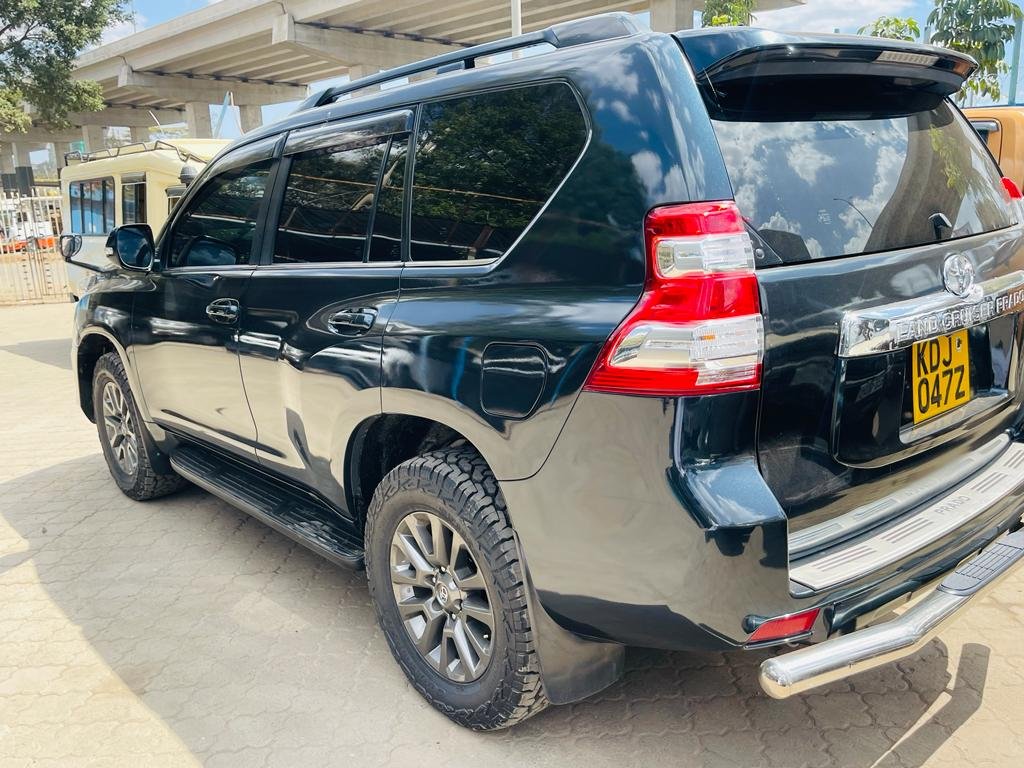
column 298, row 517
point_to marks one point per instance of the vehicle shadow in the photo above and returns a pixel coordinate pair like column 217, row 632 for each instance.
column 237, row 638
column 55, row 352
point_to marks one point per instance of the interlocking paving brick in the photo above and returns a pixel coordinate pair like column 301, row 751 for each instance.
column 182, row 632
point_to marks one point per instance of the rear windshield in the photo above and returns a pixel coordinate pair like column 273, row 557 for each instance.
column 820, row 189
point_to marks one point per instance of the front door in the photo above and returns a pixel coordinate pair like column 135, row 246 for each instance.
column 186, row 324
column 316, row 308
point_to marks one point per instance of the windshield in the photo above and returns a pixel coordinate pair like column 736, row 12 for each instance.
column 820, row 189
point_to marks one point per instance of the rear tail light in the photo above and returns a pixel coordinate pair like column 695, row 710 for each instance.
column 1011, row 188
column 697, row 329
column 784, row 627
column 1016, row 199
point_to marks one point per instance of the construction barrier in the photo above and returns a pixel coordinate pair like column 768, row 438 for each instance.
column 31, row 268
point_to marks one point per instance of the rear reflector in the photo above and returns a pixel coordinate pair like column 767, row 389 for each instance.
column 697, row 328
column 785, row 626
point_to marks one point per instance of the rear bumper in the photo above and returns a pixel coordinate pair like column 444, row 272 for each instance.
column 845, row 655
column 650, row 525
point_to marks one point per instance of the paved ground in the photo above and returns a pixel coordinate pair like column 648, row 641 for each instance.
column 182, row 632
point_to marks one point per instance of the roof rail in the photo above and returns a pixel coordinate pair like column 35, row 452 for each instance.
column 130, row 149
column 605, row 26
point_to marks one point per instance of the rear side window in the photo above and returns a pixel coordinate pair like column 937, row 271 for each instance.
column 821, row 189
column 328, row 204
column 485, row 166
column 387, row 219
column 133, row 202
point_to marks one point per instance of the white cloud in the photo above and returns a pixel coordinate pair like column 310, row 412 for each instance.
column 828, row 15
column 123, row 29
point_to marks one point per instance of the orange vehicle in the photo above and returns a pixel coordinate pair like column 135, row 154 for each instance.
column 1003, row 131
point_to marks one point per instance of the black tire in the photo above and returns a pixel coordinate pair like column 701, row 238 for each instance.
column 141, row 481
column 456, row 485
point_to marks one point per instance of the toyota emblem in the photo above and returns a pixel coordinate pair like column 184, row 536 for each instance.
column 958, row 275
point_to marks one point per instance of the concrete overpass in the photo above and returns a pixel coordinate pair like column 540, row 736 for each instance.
column 269, row 51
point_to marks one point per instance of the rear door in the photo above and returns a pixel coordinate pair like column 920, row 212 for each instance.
column 315, row 308
column 892, row 274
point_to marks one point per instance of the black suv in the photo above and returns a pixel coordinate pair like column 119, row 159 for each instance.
column 699, row 341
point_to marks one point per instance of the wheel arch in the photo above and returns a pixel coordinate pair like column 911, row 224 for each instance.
column 93, row 343
column 572, row 667
column 382, row 442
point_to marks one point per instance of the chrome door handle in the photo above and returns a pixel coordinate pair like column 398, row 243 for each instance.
column 352, row 321
column 223, row 310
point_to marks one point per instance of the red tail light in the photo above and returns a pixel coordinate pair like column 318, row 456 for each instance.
column 1011, row 188
column 784, row 626
column 697, row 328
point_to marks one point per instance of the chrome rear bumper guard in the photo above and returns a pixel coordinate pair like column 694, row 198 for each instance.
column 837, row 658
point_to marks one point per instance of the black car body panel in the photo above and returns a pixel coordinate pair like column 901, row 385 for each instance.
column 644, row 520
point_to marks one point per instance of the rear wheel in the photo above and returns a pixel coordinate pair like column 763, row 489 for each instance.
column 127, row 448
column 447, row 585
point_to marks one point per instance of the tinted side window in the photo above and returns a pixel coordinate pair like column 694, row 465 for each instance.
column 75, row 195
column 486, row 164
column 92, row 206
column 387, row 220
column 133, row 203
column 328, row 204
column 218, row 226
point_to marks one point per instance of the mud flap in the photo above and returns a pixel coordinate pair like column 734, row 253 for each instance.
column 572, row 668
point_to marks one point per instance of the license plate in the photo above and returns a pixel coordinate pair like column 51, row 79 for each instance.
column 942, row 375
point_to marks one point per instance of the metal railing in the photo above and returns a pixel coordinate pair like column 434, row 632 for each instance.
column 31, row 267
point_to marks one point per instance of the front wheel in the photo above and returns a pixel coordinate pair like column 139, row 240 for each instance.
column 126, row 445
column 448, row 589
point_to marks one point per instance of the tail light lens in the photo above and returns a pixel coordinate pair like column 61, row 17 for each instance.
column 1011, row 188
column 1016, row 199
column 697, row 329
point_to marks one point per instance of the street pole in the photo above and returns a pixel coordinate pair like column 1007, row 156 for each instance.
column 517, row 17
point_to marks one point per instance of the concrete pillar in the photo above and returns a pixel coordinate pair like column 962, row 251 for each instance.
column 139, row 134
column 60, row 149
column 250, row 116
column 23, row 175
column 363, row 70
column 673, row 15
column 93, row 137
column 7, row 178
column 197, row 116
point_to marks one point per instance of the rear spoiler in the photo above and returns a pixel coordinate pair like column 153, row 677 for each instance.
column 747, row 73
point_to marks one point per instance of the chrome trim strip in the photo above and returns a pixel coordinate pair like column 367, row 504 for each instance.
column 911, row 532
column 890, row 327
column 889, row 507
column 845, row 655
column 912, row 433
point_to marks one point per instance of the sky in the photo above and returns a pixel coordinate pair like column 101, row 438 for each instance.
column 815, row 16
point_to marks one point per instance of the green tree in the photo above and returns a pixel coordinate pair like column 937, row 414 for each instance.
column 979, row 28
column 893, row 27
column 728, row 13
column 39, row 40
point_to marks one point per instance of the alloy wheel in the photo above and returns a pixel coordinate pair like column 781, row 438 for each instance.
column 120, row 427
column 442, row 597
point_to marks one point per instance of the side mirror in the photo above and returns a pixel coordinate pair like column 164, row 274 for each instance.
column 132, row 246
column 70, row 245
